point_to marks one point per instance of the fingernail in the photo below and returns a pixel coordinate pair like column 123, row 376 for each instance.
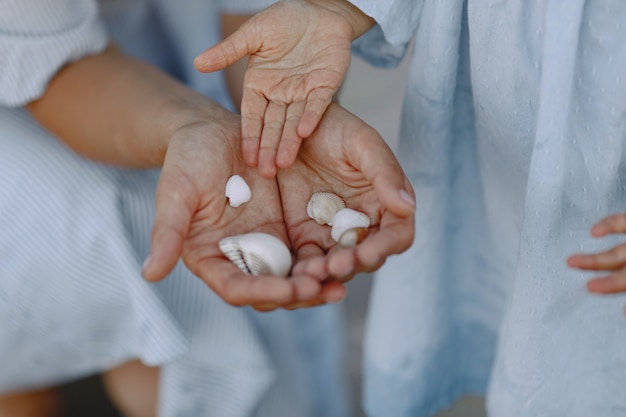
column 146, row 264
column 405, row 196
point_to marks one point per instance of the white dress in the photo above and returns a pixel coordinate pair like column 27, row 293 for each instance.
column 74, row 234
column 513, row 135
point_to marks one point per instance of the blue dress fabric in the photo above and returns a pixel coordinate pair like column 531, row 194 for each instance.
column 513, row 134
column 75, row 233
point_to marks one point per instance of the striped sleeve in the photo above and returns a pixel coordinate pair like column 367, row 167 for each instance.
column 38, row 37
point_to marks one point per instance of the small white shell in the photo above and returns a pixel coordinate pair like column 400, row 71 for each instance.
column 323, row 207
column 237, row 191
column 257, row 254
column 347, row 219
column 352, row 237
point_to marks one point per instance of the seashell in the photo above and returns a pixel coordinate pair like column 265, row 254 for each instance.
column 257, row 254
column 352, row 237
column 237, row 191
column 323, row 207
column 347, row 219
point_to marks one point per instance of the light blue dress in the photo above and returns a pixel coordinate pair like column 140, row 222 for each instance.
column 74, row 234
column 513, row 135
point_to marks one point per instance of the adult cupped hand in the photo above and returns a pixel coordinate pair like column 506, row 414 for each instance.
column 345, row 156
column 192, row 215
column 299, row 53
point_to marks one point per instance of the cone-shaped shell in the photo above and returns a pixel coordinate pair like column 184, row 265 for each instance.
column 323, row 207
column 237, row 191
column 347, row 219
column 257, row 254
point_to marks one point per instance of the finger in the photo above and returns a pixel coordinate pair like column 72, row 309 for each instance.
column 310, row 261
column 305, row 304
column 614, row 283
column 316, row 104
column 392, row 237
column 175, row 204
column 239, row 289
column 241, row 43
column 306, row 288
column 253, row 108
column 290, row 141
column 334, row 292
column 615, row 223
column 265, row 307
column 378, row 164
column 341, row 264
column 270, row 138
column 612, row 259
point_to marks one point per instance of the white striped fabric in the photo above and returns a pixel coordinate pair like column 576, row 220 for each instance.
column 73, row 235
column 38, row 37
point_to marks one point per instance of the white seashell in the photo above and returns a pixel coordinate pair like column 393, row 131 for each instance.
column 257, row 254
column 347, row 219
column 323, row 207
column 352, row 237
column 237, row 191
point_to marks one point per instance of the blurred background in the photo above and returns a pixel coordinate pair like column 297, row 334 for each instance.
column 375, row 95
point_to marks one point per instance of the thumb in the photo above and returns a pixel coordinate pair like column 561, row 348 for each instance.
column 174, row 208
column 380, row 166
column 241, row 43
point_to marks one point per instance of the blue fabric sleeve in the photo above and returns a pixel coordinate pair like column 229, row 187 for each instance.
column 386, row 43
column 38, row 37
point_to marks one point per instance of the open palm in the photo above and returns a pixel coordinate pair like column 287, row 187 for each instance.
column 193, row 215
column 298, row 57
column 347, row 157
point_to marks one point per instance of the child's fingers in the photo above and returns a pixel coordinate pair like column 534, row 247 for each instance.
column 253, row 108
column 611, row 284
column 615, row 223
column 270, row 138
column 241, row 43
column 316, row 104
column 612, row 259
column 290, row 141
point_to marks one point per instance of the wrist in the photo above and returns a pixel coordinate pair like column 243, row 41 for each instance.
column 359, row 21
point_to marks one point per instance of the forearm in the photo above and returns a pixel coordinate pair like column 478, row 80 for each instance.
column 359, row 21
column 117, row 110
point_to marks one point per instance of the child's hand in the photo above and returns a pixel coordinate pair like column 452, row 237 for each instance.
column 612, row 261
column 299, row 53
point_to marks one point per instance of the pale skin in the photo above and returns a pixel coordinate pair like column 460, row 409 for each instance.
column 135, row 116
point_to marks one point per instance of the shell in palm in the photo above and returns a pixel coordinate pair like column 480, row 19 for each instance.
column 323, row 207
column 257, row 254
column 237, row 191
column 348, row 219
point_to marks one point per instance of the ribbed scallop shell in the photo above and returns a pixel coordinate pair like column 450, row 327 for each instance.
column 257, row 254
column 323, row 207
column 347, row 219
column 237, row 191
